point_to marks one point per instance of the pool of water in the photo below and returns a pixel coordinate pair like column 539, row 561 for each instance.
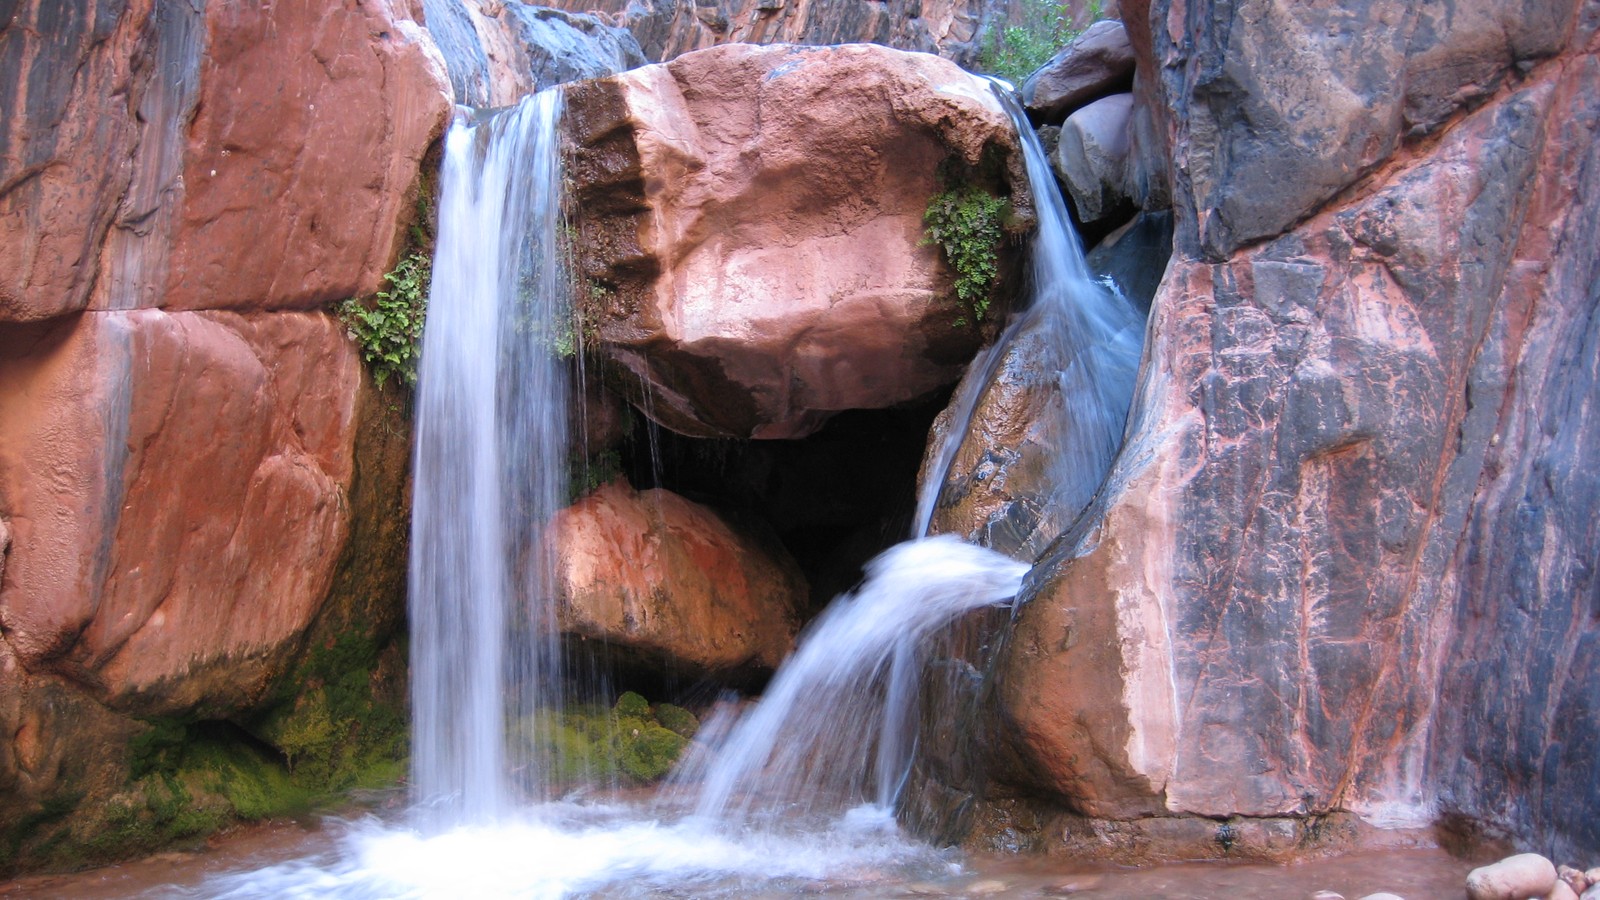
column 620, row 850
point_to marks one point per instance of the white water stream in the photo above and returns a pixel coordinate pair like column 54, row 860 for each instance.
column 490, row 464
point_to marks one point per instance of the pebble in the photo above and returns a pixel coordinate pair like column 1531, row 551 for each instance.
column 1519, row 877
column 1327, row 895
column 1593, row 893
column 1574, row 878
column 985, row 888
column 1592, row 876
column 1562, row 891
column 1383, row 895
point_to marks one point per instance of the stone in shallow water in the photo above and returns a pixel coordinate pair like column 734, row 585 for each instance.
column 1513, row 878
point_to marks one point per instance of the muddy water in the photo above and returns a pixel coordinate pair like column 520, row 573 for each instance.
column 303, row 856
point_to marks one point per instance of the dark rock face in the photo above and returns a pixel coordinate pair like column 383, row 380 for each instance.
column 1346, row 560
column 1517, row 737
column 667, row 28
column 1276, row 107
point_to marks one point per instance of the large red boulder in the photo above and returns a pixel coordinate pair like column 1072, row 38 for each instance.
column 751, row 228
column 175, row 488
column 165, row 155
column 673, row 582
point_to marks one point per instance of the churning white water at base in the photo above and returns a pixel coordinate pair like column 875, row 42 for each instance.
column 562, row 850
column 826, row 735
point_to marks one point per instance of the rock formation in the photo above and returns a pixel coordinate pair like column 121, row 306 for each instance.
column 1345, row 561
column 183, row 196
column 671, row 581
column 750, row 231
column 1097, row 62
column 953, row 29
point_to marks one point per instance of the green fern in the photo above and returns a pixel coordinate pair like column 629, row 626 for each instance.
column 966, row 222
column 388, row 327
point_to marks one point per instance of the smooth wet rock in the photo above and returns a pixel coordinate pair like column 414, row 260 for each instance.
column 1513, row 878
column 1327, row 895
column 1091, row 159
column 1574, row 878
column 674, row 582
column 1383, row 895
column 244, row 178
column 1593, row 893
column 1135, row 257
column 1097, row 62
column 751, row 224
column 1562, row 891
column 151, row 464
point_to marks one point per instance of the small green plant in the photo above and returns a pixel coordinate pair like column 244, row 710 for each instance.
column 1017, row 51
column 966, row 221
column 388, row 327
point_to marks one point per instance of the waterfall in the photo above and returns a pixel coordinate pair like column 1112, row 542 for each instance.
column 490, row 465
column 1095, row 338
column 815, row 742
column 837, row 725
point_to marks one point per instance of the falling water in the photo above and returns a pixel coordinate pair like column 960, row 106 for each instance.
column 837, row 724
column 1095, row 338
column 490, row 459
column 835, row 730
column 812, row 745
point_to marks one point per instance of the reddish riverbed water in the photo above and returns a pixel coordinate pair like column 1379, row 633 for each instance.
column 653, row 860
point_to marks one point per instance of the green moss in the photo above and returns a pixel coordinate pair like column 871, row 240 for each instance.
column 631, row 741
column 631, row 704
column 253, row 782
column 677, row 719
column 157, row 811
column 648, row 753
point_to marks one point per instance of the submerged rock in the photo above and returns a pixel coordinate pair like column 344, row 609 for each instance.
column 751, row 231
column 673, row 582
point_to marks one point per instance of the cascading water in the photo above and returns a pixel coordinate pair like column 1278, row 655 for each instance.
column 1094, row 335
column 834, row 732
column 815, row 742
column 837, row 723
column 490, row 459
